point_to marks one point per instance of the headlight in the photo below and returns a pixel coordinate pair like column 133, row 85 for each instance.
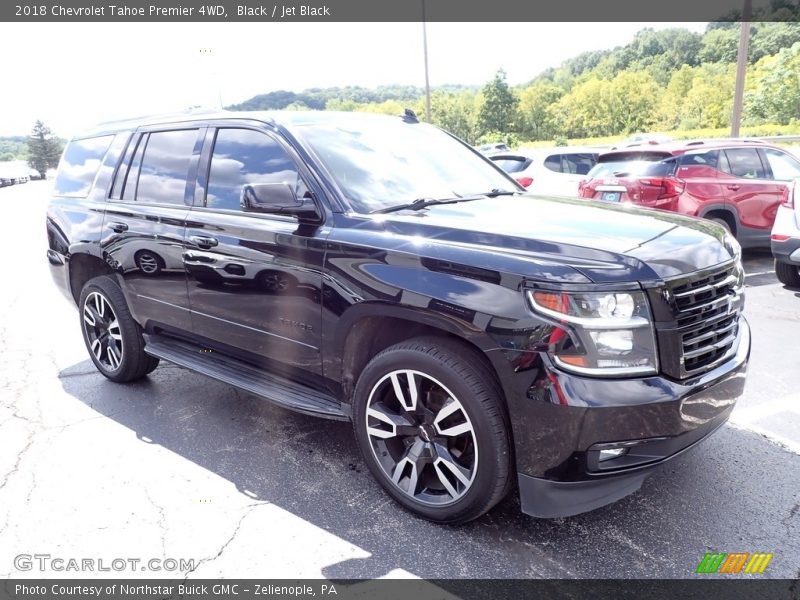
column 608, row 333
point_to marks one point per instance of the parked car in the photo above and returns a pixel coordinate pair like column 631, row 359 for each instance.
column 6, row 181
column 738, row 184
column 555, row 171
column 478, row 338
column 785, row 238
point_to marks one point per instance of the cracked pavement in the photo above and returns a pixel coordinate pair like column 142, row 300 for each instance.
column 180, row 466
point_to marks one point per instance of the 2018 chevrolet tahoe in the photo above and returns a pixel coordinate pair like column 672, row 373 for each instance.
column 376, row 269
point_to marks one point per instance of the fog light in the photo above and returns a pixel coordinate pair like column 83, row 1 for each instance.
column 611, row 453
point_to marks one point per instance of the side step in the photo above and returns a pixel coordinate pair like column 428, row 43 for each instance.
column 276, row 389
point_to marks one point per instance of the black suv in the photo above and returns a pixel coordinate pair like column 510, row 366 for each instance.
column 376, row 269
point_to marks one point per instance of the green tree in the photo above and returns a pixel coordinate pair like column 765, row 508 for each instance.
column 44, row 149
column 672, row 99
column 775, row 89
column 587, row 111
column 709, row 102
column 536, row 110
column 499, row 109
column 634, row 102
column 720, row 45
column 456, row 113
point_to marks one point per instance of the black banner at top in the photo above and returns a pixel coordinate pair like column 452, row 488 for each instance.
column 398, row 10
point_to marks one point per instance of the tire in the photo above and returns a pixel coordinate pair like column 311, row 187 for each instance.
column 149, row 263
column 787, row 274
column 447, row 456
column 113, row 339
column 722, row 222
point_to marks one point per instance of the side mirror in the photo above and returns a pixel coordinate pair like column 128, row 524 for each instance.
column 277, row 199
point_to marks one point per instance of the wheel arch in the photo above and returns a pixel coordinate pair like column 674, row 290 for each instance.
column 722, row 211
column 369, row 328
column 83, row 267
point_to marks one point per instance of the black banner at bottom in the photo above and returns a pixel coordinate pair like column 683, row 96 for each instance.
column 391, row 589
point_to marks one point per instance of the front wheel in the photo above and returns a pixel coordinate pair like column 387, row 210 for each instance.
column 113, row 339
column 431, row 426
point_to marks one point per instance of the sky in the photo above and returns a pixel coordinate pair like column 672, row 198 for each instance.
column 74, row 75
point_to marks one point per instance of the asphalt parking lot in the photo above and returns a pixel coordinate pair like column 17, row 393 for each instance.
column 179, row 466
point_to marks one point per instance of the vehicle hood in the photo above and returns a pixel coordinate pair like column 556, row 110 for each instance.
column 603, row 242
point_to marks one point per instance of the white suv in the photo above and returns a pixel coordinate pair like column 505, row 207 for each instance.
column 785, row 238
column 555, row 171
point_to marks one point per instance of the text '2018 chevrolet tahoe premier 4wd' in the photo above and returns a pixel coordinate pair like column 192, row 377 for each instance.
column 376, row 269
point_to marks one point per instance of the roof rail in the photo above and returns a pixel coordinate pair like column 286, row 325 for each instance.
column 725, row 140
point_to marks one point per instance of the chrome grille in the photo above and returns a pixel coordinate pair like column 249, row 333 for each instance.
column 705, row 307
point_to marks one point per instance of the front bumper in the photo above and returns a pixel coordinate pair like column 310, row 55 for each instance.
column 656, row 419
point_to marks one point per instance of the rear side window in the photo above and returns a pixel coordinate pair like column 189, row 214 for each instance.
column 701, row 159
column 79, row 165
column 512, row 164
column 165, row 166
column 242, row 157
column 575, row 164
column 744, row 163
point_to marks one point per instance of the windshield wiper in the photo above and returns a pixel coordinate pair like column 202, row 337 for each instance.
column 421, row 203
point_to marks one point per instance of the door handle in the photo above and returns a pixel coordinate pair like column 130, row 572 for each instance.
column 734, row 186
column 202, row 241
column 118, row 227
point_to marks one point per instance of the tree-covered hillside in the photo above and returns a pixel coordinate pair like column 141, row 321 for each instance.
column 13, row 148
column 665, row 80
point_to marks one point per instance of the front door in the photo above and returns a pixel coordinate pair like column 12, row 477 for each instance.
column 253, row 279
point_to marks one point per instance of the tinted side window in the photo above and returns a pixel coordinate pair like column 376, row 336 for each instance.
column 241, row 157
column 578, row 164
column 745, row 163
column 784, row 167
column 704, row 159
column 553, row 163
column 165, row 167
column 79, row 166
column 128, row 190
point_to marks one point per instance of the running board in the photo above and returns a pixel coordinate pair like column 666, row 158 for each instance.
column 287, row 394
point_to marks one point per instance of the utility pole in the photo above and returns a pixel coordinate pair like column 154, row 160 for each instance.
column 741, row 69
column 425, row 54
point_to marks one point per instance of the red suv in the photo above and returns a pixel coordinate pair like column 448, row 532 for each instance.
column 737, row 183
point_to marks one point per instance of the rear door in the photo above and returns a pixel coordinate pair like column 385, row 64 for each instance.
column 145, row 221
column 703, row 190
column 749, row 190
column 254, row 279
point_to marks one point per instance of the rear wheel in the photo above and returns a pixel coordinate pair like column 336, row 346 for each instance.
column 113, row 339
column 432, row 429
column 787, row 274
